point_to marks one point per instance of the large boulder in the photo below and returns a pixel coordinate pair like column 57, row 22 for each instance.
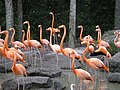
column 30, row 83
column 115, row 63
column 47, row 72
column 114, row 77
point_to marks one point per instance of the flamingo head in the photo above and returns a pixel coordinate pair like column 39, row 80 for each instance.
column 116, row 32
column 26, row 22
column 11, row 29
column 51, row 13
column 98, row 28
column 4, row 32
column 61, row 26
column 49, row 29
column 80, row 26
column 39, row 25
column 23, row 31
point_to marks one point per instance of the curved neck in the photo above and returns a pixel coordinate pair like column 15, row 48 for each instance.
column 73, row 65
column 23, row 36
column 99, row 37
column 14, row 63
column 52, row 21
column 12, row 35
column 50, row 37
column 85, row 52
column 81, row 33
column 28, row 32
column 6, row 42
column 40, row 33
column 63, row 37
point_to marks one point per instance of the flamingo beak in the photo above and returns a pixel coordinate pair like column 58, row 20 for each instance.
column 51, row 13
column 39, row 25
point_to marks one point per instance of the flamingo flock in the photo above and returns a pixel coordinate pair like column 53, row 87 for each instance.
column 16, row 53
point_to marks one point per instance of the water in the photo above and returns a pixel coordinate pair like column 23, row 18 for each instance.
column 104, row 84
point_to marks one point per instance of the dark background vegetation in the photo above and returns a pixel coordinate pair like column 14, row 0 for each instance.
column 89, row 14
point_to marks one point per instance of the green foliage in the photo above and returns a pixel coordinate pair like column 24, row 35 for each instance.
column 114, row 49
column 89, row 14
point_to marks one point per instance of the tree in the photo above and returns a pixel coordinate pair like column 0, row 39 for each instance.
column 72, row 23
column 20, row 18
column 9, row 15
column 117, row 14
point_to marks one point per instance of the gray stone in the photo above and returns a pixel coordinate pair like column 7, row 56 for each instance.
column 64, row 62
column 59, row 85
column 114, row 77
column 48, row 72
column 114, row 64
column 6, row 66
column 29, row 83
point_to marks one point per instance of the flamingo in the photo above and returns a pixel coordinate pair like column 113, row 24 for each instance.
column 117, row 43
column 9, row 54
column 33, row 43
column 91, row 48
column 72, row 85
column 54, row 30
column 54, row 47
column 43, row 41
column 66, row 51
column 82, row 74
column 100, row 41
column 25, row 42
column 95, row 63
column 18, row 43
column 85, row 38
column 18, row 69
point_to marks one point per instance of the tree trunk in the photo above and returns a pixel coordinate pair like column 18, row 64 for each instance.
column 72, row 23
column 20, row 19
column 117, row 14
column 9, row 16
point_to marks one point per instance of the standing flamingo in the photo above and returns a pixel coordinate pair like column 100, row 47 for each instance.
column 85, row 38
column 54, row 47
column 91, row 41
column 25, row 42
column 66, row 51
column 44, row 42
column 18, row 69
column 33, row 43
column 82, row 74
column 18, row 43
column 9, row 54
column 95, row 63
column 100, row 41
column 54, row 30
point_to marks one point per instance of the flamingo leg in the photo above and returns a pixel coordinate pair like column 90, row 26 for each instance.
column 57, row 58
column 18, row 83
column 23, row 83
column 54, row 40
column 40, row 57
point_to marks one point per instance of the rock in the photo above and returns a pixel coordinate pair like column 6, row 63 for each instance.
column 59, row 85
column 64, row 62
column 114, row 64
column 6, row 66
column 47, row 72
column 29, row 83
column 114, row 77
